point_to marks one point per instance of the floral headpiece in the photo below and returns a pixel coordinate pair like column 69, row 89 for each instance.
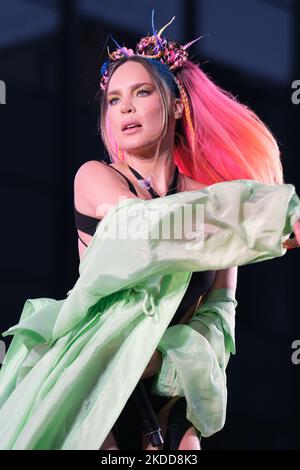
column 170, row 53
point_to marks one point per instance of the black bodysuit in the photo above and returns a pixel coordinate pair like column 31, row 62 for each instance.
column 127, row 429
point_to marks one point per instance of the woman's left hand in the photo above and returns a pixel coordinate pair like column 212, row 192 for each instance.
column 291, row 243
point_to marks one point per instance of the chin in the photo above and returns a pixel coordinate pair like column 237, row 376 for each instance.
column 139, row 146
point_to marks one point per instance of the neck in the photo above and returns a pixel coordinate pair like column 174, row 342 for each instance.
column 161, row 171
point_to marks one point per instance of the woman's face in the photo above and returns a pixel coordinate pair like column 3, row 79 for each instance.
column 133, row 96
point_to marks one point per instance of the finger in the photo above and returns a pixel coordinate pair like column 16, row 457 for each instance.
column 290, row 243
column 296, row 229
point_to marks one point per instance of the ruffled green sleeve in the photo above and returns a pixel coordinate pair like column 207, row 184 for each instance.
column 240, row 222
column 195, row 357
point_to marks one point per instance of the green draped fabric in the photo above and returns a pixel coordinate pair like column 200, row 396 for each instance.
column 73, row 363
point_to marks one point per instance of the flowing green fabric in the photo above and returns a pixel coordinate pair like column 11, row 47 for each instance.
column 195, row 357
column 73, row 363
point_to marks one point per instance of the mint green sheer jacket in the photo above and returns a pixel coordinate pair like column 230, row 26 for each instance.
column 73, row 363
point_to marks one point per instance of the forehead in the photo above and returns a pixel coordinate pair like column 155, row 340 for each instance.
column 127, row 74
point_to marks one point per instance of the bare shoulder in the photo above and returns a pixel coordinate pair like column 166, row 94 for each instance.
column 97, row 187
column 191, row 184
column 90, row 168
column 93, row 170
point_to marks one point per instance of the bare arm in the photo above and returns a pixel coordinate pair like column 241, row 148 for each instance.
column 225, row 278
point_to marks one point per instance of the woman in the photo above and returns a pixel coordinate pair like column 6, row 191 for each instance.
column 142, row 115
column 137, row 309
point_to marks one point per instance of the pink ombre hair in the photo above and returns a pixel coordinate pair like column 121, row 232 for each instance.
column 231, row 142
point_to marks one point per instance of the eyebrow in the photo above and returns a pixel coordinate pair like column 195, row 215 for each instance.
column 133, row 87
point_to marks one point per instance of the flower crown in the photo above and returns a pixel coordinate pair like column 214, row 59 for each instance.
column 170, row 53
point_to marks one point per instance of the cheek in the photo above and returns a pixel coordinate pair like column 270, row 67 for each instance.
column 113, row 119
column 153, row 107
column 152, row 113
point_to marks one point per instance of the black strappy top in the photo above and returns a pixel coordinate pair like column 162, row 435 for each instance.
column 200, row 281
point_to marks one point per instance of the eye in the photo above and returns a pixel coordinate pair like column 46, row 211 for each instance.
column 145, row 91
column 111, row 101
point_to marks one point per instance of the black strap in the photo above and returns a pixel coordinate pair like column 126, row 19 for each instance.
column 82, row 240
column 153, row 193
column 131, row 187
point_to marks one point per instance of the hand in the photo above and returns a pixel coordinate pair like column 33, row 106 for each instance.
column 291, row 243
column 154, row 365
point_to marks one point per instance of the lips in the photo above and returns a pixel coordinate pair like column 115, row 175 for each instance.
column 130, row 125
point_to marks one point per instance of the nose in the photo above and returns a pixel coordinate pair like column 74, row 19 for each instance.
column 127, row 105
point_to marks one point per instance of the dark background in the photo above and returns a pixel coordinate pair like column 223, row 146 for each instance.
column 51, row 52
